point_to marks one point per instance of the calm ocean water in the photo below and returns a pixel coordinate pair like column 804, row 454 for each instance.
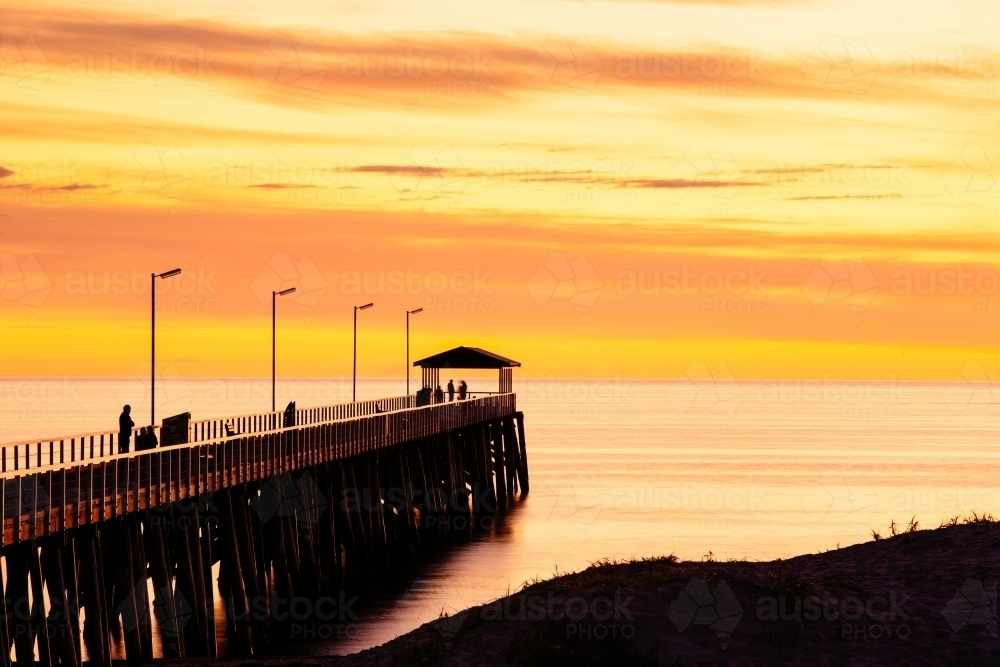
column 627, row 468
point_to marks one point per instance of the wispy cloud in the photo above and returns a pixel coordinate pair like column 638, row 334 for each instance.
column 434, row 70
column 71, row 187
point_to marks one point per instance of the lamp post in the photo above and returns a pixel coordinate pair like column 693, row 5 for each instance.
column 354, row 375
column 408, row 313
column 274, row 299
column 152, row 327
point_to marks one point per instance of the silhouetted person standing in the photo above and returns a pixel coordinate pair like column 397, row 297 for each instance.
column 438, row 395
column 125, row 426
column 463, row 390
column 451, row 390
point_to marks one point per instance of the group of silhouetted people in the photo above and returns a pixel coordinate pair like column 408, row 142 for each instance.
column 145, row 440
column 463, row 392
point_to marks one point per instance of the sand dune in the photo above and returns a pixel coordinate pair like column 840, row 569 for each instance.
column 921, row 598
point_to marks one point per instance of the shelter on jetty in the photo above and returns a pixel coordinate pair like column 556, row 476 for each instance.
column 467, row 357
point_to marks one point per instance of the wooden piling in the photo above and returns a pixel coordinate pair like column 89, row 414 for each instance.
column 185, row 599
column 510, row 454
column 256, row 537
column 302, row 517
column 5, row 617
column 232, row 578
column 383, row 507
column 398, row 503
column 455, row 440
column 165, row 608
column 290, row 542
column 42, row 631
column 523, row 453
column 362, row 510
column 326, row 535
column 22, row 628
column 202, row 607
column 95, row 629
column 124, row 596
column 486, row 461
column 204, row 580
column 73, row 594
column 340, row 506
column 373, row 511
column 406, row 477
column 472, row 475
column 276, row 554
column 61, row 640
column 104, row 585
column 493, row 428
column 247, row 566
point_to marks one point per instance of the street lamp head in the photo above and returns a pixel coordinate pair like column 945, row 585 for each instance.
column 285, row 291
column 414, row 312
column 169, row 274
column 364, row 307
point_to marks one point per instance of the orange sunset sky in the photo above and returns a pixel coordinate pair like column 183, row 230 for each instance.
column 762, row 189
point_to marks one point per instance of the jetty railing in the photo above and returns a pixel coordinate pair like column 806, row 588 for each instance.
column 28, row 454
column 57, row 495
column 206, row 429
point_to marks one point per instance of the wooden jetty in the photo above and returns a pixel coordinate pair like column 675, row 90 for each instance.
column 302, row 514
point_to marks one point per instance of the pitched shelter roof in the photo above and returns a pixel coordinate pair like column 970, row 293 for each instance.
column 466, row 357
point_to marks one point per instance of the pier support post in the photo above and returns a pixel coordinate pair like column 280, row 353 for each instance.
column 383, row 487
column 509, row 456
column 246, row 564
column 343, row 528
column 493, row 428
column 5, row 617
column 486, row 460
column 186, row 597
column 186, row 549
column 204, row 580
column 126, row 597
column 164, row 605
column 61, row 639
column 94, row 629
column 21, row 627
column 138, row 553
column 232, row 574
column 326, row 534
column 523, row 454
column 42, row 630
column 73, row 595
